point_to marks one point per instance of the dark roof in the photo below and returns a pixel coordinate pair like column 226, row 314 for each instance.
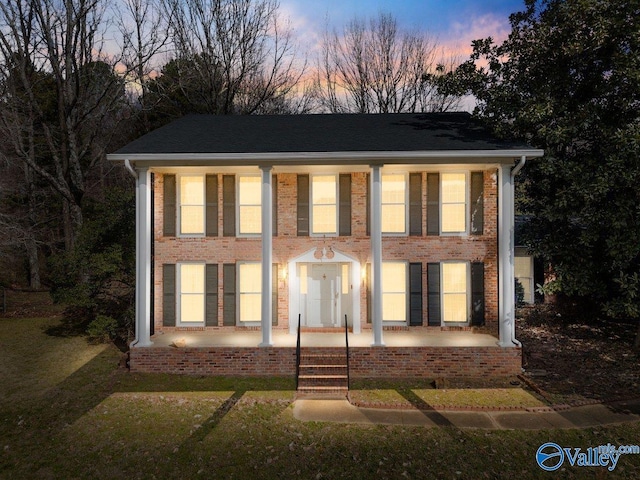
column 199, row 134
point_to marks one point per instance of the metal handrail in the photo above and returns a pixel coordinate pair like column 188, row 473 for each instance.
column 346, row 339
column 298, row 353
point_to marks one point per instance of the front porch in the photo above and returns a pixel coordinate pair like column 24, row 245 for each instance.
column 420, row 353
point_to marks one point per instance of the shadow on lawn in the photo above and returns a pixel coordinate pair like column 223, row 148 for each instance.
column 424, row 407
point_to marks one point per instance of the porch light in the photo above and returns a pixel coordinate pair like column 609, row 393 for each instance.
column 283, row 272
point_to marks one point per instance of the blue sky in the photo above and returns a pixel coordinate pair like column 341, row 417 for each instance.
column 453, row 22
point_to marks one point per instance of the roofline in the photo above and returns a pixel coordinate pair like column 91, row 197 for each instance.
column 287, row 158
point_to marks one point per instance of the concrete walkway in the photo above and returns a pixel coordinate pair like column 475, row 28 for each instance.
column 341, row 411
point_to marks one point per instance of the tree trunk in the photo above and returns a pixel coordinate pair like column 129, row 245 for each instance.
column 34, row 264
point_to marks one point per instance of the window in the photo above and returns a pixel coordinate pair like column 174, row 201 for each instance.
column 394, row 188
column 454, row 292
column 249, row 205
column 250, row 288
column 394, row 291
column 324, row 204
column 524, row 274
column 192, row 205
column 454, row 200
column 191, row 284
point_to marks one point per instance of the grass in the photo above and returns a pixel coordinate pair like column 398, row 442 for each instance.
column 68, row 411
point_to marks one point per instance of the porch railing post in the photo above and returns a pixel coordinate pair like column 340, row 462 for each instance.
column 298, row 353
column 346, row 340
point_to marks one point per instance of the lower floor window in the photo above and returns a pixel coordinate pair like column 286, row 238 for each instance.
column 191, row 281
column 454, row 292
column 249, row 289
column 394, row 291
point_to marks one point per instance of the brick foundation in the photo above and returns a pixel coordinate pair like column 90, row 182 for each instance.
column 384, row 362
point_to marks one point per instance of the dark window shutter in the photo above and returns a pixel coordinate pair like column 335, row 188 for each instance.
column 433, row 290
column 229, row 205
column 369, row 292
column 415, row 294
column 229, row 294
column 415, row 204
column 368, row 203
column 433, row 204
column 477, row 293
column 274, row 195
column 345, row 204
column 477, row 203
column 274, row 294
column 169, row 199
column 169, row 295
column 211, row 290
column 303, row 205
column 212, row 205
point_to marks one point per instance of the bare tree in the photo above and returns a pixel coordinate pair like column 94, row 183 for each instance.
column 237, row 51
column 64, row 92
column 375, row 67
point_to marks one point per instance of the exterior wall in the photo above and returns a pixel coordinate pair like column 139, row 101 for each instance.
column 387, row 362
column 287, row 245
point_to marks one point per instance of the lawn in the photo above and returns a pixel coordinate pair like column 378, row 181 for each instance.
column 68, row 411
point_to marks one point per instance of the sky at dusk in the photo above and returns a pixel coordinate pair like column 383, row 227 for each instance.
column 454, row 23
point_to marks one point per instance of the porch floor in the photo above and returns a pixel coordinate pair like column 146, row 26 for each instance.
column 251, row 339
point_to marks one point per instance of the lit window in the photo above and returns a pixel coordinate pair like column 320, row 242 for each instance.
column 249, row 205
column 192, row 205
column 345, row 279
column 191, row 293
column 324, row 199
column 454, row 198
column 250, row 287
column 393, row 203
column 454, row 292
column 394, row 291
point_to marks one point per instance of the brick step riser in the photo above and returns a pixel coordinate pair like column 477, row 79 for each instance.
column 323, row 370
column 323, row 391
column 322, row 382
column 323, row 360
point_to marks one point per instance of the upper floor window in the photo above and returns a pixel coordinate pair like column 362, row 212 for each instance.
column 454, row 203
column 394, row 201
column 324, row 208
column 192, row 205
column 249, row 205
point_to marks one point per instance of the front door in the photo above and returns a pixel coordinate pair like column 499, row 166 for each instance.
column 323, row 295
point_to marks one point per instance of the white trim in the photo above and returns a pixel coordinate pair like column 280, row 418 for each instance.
column 238, row 205
column 336, row 179
column 467, row 196
column 468, row 293
column 285, row 158
column 179, row 176
column 294, row 285
column 179, row 322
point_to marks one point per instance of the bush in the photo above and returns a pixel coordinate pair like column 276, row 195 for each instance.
column 103, row 329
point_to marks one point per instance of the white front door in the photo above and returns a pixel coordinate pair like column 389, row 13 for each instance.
column 323, row 295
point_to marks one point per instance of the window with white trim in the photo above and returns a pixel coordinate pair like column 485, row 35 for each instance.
column 394, row 203
column 192, row 204
column 324, row 205
column 249, row 205
column 453, row 206
column 250, row 292
column 455, row 289
column 394, row 291
column 191, row 288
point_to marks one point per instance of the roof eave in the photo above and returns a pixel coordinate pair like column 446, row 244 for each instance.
column 293, row 158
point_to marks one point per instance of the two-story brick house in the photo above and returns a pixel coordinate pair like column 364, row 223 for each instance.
column 392, row 223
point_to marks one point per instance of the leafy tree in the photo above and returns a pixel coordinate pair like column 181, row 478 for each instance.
column 567, row 79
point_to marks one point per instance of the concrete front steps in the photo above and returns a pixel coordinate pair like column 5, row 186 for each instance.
column 323, row 374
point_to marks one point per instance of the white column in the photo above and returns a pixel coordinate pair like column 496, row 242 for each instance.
column 143, row 258
column 267, row 255
column 376, row 255
column 506, row 294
